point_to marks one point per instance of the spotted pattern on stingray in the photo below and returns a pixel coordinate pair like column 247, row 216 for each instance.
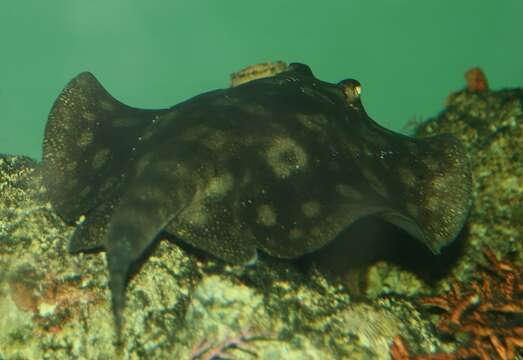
column 281, row 164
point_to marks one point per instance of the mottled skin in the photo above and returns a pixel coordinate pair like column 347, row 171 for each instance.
column 281, row 164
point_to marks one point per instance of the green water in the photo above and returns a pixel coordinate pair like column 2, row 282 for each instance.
column 407, row 54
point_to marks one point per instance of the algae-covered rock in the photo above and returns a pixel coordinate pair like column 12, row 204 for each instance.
column 186, row 305
column 490, row 125
column 181, row 304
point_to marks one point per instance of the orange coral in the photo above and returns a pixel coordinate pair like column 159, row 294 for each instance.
column 476, row 80
column 59, row 295
column 398, row 349
column 489, row 310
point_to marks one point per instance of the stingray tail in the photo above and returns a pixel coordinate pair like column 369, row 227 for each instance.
column 117, row 283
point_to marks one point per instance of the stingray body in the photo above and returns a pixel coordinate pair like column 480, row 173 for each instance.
column 281, row 164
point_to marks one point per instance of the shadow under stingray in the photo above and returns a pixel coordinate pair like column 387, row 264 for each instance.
column 370, row 240
column 348, row 257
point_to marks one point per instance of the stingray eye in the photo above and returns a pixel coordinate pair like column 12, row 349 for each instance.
column 351, row 88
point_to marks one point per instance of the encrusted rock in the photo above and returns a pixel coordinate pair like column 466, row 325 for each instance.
column 55, row 305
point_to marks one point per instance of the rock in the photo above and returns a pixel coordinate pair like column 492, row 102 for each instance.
column 56, row 305
column 184, row 305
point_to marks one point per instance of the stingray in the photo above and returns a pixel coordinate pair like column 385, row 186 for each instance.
column 281, row 164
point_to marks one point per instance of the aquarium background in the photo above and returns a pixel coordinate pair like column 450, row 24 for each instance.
column 408, row 55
